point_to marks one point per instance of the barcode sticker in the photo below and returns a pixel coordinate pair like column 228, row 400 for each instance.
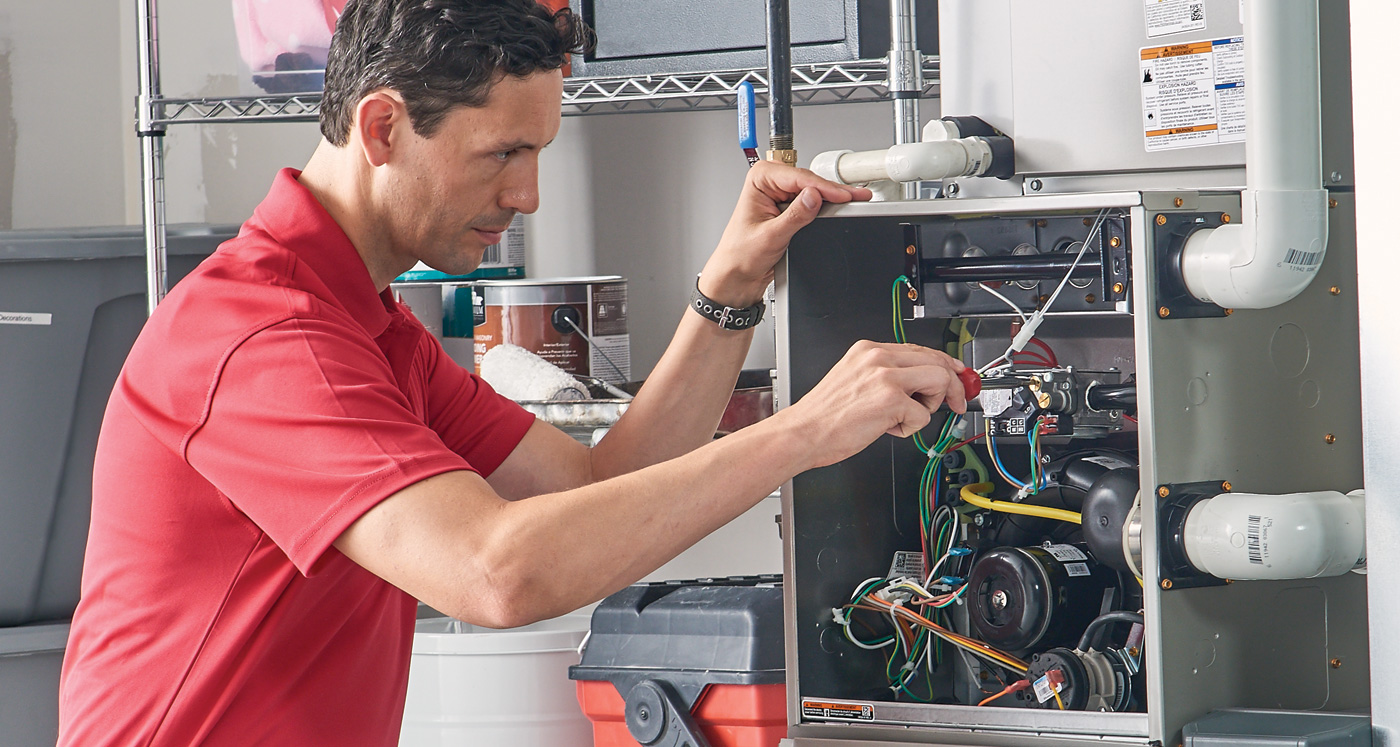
column 1066, row 553
column 1044, row 690
column 492, row 255
column 1255, row 538
column 907, row 564
column 1302, row 259
column 1077, row 569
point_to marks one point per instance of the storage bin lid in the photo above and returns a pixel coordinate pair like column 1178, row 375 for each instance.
column 709, row 631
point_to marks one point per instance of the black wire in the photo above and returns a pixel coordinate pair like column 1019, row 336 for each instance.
column 1106, row 619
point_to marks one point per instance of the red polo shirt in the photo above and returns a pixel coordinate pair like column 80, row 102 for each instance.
column 271, row 401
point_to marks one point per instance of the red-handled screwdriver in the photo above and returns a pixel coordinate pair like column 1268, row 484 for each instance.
column 972, row 383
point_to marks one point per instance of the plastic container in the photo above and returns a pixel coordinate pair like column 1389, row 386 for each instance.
column 71, row 305
column 481, row 687
column 551, row 317
column 1249, row 727
column 30, row 660
column 678, row 661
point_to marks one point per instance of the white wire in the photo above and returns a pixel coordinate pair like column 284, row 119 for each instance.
column 1004, row 300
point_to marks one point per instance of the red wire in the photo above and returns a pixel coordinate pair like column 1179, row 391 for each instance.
column 1048, row 352
column 1129, row 418
column 963, row 443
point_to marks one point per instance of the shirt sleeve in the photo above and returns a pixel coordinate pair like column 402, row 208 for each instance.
column 472, row 419
column 306, row 430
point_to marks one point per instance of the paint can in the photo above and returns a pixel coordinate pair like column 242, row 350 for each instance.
column 550, row 318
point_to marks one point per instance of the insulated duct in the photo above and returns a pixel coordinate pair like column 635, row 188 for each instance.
column 1276, row 249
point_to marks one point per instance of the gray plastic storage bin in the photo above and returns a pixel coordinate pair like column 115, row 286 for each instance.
column 30, row 659
column 1248, row 727
column 71, row 305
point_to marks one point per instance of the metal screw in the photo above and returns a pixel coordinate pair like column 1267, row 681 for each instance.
column 951, row 190
column 1134, row 651
column 910, row 250
column 1088, row 222
column 1336, row 177
column 1178, row 202
column 1103, row 521
column 1225, row 218
column 1164, row 312
column 979, row 520
column 1226, row 486
column 1042, row 223
column 1089, row 298
column 1336, row 663
column 1332, row 203
column 1229, row 581
column 1115, row 242
column 643, row 714
column 1329, row 438
column 1163, row 491
column 1166, row 583
column 1036, row 185
column 1117, row 287
column 1334, row 290
column 1229, row 312
column 913, row 295
column 1161, row 219
column 1043, row 299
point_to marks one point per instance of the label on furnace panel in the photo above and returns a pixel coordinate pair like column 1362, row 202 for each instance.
column 843, row 711
column 1192, row 94
column 1166, row 17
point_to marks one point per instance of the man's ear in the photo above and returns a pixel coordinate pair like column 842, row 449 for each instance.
column 376, row 117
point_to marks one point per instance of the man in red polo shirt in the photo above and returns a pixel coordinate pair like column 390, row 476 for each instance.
column 288, row 460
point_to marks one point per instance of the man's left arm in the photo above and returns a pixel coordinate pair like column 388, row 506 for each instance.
column 680, row 406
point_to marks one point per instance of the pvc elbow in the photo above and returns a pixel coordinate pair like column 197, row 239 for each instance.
column 1248, row 536
column 1266, row 261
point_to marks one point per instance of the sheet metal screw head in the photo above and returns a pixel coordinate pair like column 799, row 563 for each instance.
column 1115, row 242
column 1229, row 312
column 1088, row 222
column 1336, row 663
column 1164, row 312
column 1178, row 202
column 1336, row 176
column 1042, row 223
column 1089, row 298
column 1117, row 287
column 1166, row 583
column 1226, row 486
column 1332, row 202
column 1036, row 185
column 1134, row 651
column 913, row 294
column 909, row 250
column 1334, row 290
column 1161, row 219
column 1229, row 581
column 1163, row 491
column 951, row 190
column 1225, row 218
column 1329, row 438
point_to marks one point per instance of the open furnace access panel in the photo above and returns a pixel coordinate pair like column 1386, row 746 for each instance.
column 1132, row 404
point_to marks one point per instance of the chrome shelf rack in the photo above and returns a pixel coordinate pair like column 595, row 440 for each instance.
column 820, row 83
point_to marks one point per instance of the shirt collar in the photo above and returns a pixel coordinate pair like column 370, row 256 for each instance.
column 297, row 220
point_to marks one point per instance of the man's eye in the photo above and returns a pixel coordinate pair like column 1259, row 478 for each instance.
column 502, row 155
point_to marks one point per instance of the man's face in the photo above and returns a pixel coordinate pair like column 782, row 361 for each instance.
column 458, row 190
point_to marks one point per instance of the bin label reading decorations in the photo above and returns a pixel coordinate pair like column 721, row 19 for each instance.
column 21, row 317
column 1193, row 94
column 846, row 711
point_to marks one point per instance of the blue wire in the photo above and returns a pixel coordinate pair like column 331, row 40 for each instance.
column 1006, row 475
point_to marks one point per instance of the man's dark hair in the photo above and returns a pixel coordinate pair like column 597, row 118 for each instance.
column 439, row 54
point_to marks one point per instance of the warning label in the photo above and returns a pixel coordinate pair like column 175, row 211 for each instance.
column 1193, row 94
column 1166, row 17
column 844, row 711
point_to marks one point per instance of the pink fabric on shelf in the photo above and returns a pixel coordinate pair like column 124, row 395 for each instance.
column 268, row 28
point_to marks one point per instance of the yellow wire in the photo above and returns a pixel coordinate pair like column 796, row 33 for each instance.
column 1058, row 702
column 971, row 495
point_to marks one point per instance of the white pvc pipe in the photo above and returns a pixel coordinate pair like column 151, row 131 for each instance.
column 909, row 162
column 1275, row 250
column 1247, row 536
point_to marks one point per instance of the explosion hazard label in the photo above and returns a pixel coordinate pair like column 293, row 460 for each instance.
column 1193, row 94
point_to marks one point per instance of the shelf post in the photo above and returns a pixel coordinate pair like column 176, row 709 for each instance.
column 152, row 136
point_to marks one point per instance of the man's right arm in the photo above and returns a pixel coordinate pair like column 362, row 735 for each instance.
column 454, row 543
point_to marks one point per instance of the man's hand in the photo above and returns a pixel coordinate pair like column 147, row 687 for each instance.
column 876, row 388
column 760, row 229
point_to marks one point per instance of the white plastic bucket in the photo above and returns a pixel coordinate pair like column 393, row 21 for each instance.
column 495, row 688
